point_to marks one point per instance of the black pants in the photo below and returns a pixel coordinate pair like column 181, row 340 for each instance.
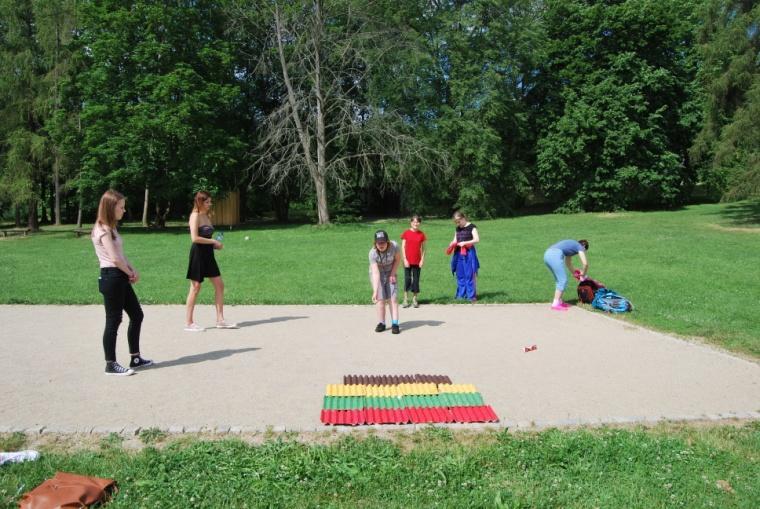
column 412, row 278
column 119, row 296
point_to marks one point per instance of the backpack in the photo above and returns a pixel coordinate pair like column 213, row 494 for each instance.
column 587, row 289
column 607, row 300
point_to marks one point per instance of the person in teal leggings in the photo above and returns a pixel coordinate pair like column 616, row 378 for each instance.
column 556, row 258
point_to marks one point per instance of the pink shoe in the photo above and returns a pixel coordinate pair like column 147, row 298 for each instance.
column 560, row 307
column 565, row 305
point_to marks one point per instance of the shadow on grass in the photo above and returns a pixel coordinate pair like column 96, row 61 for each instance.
column 270, row 320
column 742, row 214
column 202, row 357
column 413, row 324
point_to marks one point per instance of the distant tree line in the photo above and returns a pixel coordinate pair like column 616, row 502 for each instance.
column 354, row 107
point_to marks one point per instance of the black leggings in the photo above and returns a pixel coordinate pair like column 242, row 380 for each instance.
column 412, row 278
column 119, row 296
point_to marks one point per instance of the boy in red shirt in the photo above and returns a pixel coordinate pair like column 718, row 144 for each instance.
column 413, row 252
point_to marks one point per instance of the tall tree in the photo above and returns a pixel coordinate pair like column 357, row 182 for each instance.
column 56, row 25
column 728, row 145
column 617, row 96
column 486, row 52
column 26, row 148
column 325, row 131
column 161, row 99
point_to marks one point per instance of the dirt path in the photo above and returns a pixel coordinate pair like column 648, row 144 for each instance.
column 272, row 372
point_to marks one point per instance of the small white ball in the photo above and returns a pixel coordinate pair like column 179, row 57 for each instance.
column 247, row 238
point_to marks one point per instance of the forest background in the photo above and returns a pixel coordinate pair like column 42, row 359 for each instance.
column 340, row 109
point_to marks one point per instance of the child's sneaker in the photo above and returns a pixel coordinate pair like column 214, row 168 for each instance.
column 194, row 327
column 226, row 325
column 116, row 369
column 138, row 362
column 405, row 304
column 415, row 303
column 380, row 327
column 395, row 329
column 560, row 307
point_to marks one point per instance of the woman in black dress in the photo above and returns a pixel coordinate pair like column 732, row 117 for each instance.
column 203, row 264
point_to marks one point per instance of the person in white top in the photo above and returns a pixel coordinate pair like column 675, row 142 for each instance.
column 384, row 259
column 117, row 275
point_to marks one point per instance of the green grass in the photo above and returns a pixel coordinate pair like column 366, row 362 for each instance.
column 692, row 272
column 609, row 468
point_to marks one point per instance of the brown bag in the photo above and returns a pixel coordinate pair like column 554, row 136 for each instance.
column 66, row 490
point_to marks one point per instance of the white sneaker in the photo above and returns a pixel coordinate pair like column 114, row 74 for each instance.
column 226, row 325
column 194, row 327
column 18, row 457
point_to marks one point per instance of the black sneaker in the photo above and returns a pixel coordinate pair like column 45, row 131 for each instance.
column 395, row 329
column 138, row 362
column 380, row 327
column 115, row 369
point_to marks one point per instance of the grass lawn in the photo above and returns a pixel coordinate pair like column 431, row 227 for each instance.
column 692, row 272
column 671, row 466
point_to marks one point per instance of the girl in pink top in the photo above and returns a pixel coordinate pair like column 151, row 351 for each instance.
column 117, row 275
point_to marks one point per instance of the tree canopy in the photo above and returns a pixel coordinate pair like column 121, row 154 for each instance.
column 355, row 107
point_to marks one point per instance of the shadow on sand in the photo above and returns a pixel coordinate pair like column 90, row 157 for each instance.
column 413, row 324
column 274, row 319
column 202, row 357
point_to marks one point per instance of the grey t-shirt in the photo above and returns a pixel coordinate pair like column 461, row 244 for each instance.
column 384, row 259
column 568, row 247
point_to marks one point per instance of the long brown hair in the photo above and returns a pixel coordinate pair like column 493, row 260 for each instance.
column 107, row 210
column 200, row 197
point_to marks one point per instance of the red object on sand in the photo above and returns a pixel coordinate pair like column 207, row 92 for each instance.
column 530, row 348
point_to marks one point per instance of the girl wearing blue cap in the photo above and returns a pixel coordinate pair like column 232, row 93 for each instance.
column 384, row 258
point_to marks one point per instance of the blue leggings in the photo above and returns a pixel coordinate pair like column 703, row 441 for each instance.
column 555, row 260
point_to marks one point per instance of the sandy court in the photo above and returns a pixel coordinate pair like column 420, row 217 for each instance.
column 272, row 372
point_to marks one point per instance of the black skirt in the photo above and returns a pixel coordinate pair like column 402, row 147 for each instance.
column 202, row 262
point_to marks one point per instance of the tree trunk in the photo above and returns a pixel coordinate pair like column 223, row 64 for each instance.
column 317, row 178
column 18, row 217
column 145, row 209
column 281, row 205
column 43, row 216
column 33, row 222
column 320, row 183
column 161, row 216
column 323, row 215
column 57, row 158
column 79, row 212
column 57, row 185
